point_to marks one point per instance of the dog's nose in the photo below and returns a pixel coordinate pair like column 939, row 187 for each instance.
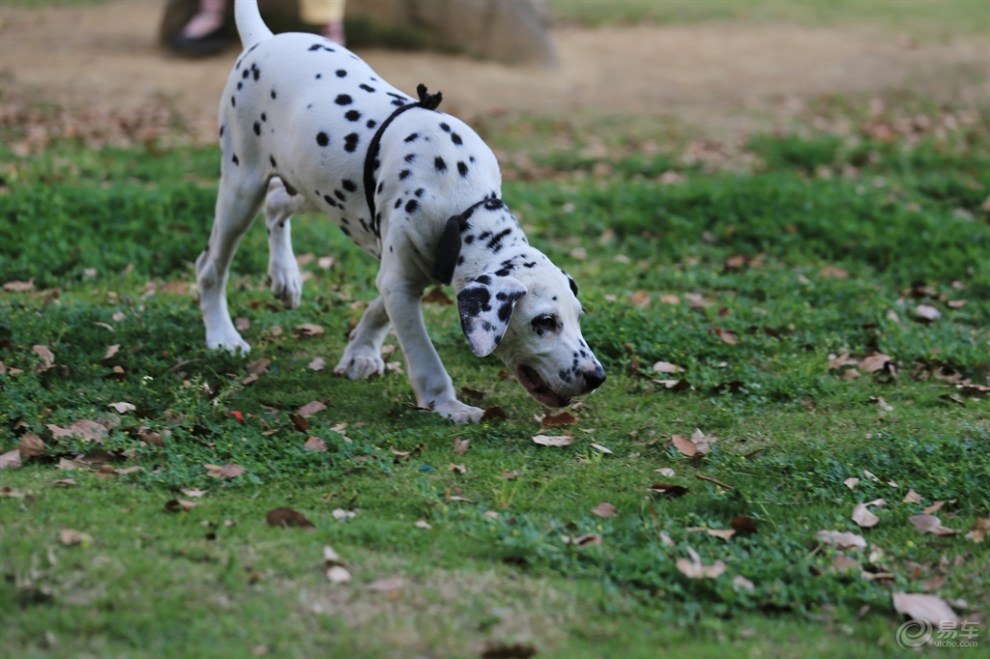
column 594, row 378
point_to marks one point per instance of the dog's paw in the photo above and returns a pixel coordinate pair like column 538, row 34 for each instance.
column 360, row 366
column 458, row 412
column 231, row 342
column 286, row 284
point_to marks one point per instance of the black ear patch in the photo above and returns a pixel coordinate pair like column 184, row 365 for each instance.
column 573, row 284
column 448, row 249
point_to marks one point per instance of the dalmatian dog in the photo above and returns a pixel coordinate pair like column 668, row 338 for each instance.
column 308, row 123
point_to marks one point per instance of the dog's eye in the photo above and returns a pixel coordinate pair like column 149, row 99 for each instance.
column 544, row 323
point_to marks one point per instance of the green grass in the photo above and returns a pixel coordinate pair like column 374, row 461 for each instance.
column 822, row 244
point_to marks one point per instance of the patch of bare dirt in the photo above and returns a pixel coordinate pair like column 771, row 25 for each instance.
column 102, row 64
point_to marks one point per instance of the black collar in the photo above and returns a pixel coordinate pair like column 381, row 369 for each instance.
column 427, row 102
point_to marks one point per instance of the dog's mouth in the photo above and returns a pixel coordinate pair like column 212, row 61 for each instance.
column 538, row 388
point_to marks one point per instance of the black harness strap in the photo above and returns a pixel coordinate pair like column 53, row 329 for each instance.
column 427, row 102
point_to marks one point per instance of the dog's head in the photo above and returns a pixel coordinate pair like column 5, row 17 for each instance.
column 530, row 319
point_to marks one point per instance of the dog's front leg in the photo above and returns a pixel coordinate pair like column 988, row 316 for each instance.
column 433, row 387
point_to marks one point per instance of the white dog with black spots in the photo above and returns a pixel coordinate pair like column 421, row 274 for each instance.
column 297, row 119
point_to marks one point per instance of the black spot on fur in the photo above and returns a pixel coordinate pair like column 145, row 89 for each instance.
column 257, row 128
column 330, row 200
column 410, row 157
column 404, row 174
column 419, row 192
column 456, row 139
column 322, row 138
column 319, row 76
column 367, row 88
column 351, row 142
column 233, row 102
column 340, row 195
column 462, row 168
column 412, row 137
column 235, row 160
column 343, row 99
column 221, row 131
column 271, row 159
column 398, row 202
column 411, row 206
column 444, row 127
column 352, row 115
column 341, row 73
column 348, row 185
column 274, row 95
column 439, row 164
column 371, row 123
column 240, row 86
column 264, row 117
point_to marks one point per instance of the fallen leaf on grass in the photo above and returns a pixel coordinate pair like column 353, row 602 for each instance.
column 863, row 516
column 724, row 534
column 457, row 469
column 696, row 446
column 10, row 460
column 288, row 517
column 703, row 477
column 727, row 337
column 930, row 524
column 66, row 464
column 6, row 491
column 929, row 608
column 842, row 540
column 30, row 446
column 667, row 367
column 588, row 539
column 461, row 445
column 315, row 444
column 311, row 330
column 604, row 510
column 311, row 408
column 912, row 497
column 741, row 583
column 122, row 407
column 193, row 493
column 554, row 440
column 111, row 351
column 337, row 574
column 925, row 313
column 851, row 483
column 668, row 489
column 19, row 286
column 423, row 524
column 84, row 429
column 666, row 471
column 340, row 514
column 981, row 528
column 179, row 505
column 934, row 508
column 256, row 369
column 46, row 355
column 226, row 471
column 562, row 419
column 695, row 569
column 65, row 482
column 318, row 364
column 71, row 538
column 743, row 524
column 601, row 449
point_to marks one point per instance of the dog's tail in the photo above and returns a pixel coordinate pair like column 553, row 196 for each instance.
column 249, row 23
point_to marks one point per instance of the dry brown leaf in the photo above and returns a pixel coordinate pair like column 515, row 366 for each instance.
column 179, row 505
column 929, row 608
column 863, row 516
column 70, row 465
column 743, row 524
column 693, row 568
column 122, row 407
column 667, row 367
column 19, row 286
column 318, row 364
column 668, row 489
column 934, row 508
column 46, row 355
column 851, row 483
column 6, row 491
column 605, row 510
column 311, row 330
column 925, row 313
column 457, row 469
column 724, row 534
column 912, row 497
column 601, row 449
column 338, row 574
column 10, row 459
column 256, row 369
column 461, row 445
column 842, row 540
column 193, row 492
column 111, row 351
column 727, row 337
column 30, row 446
column 423, row 524
column 553, row 440
column 930, row 524
column 741, row 583
column 71, row 538
column 311, row 408
column 981, row 528
column 225, row 471
column 565, row 418
column 340, row 514
column 315, row 444
column 876, row 361
column 586, row 540
column 288, row 517
column 665, row 471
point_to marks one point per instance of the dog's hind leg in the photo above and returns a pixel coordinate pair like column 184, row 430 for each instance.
column 283, row 270
column 238, row 200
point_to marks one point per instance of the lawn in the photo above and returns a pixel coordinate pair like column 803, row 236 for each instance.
column 793, row 325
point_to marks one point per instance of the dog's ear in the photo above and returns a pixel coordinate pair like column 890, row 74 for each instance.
column 485, row 306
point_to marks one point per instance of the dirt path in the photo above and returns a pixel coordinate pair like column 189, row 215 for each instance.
column 104, row 59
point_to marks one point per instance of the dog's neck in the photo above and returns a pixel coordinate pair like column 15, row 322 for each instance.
column 492, row 242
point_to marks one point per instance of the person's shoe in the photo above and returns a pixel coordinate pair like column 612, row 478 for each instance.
column 212, row 43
